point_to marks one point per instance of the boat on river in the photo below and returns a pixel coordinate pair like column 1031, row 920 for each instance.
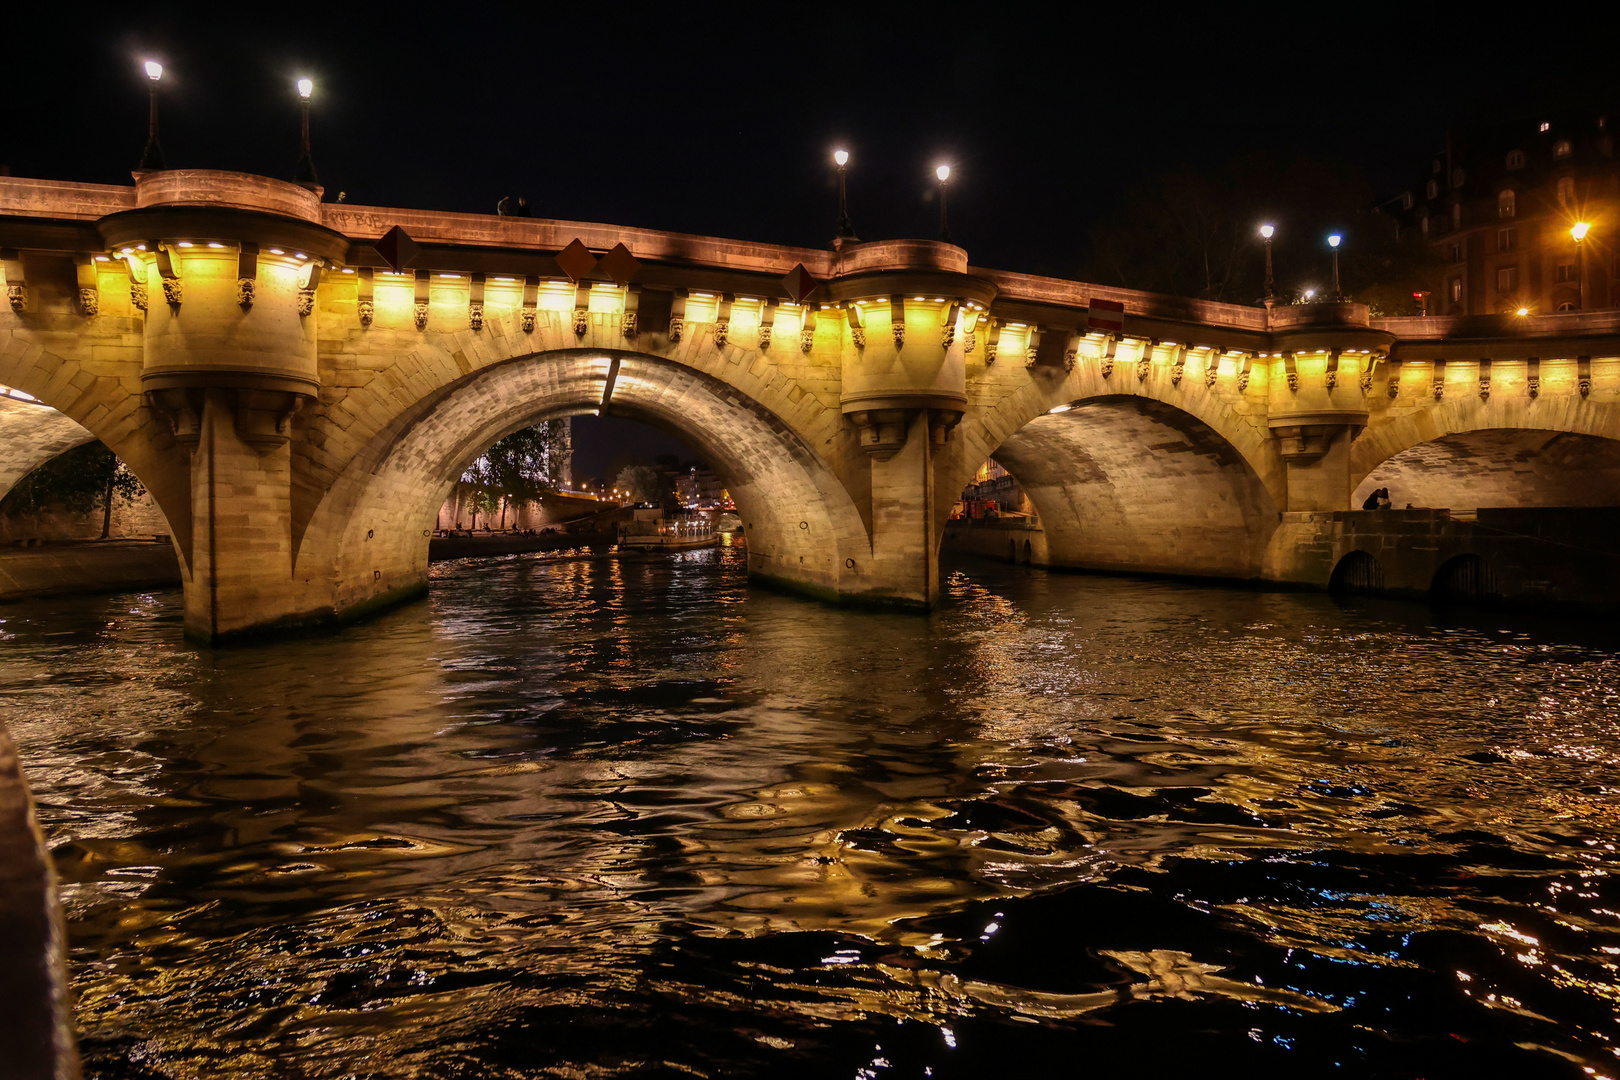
column 651, row 531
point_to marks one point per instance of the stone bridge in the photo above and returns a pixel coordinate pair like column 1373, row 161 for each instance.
column 299, row 405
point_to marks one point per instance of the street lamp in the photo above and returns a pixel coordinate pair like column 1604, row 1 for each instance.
column 1333, row 242
column 1266, row 232
column 846, row 231
column 944, row 174
column 306, row 164
column 152, row 156
column 1579, row 233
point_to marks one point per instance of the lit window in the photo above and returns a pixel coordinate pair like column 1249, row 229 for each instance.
column 1506, row 239
column 1456, row 290
column 1565, row 272
column 1562, row 148
column 1566, row 189
column 1507, row 279
column 1515, row 159
column 1567, row 305
column 1505, row 202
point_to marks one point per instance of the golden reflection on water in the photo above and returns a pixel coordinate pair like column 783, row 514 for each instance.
column 558, row 782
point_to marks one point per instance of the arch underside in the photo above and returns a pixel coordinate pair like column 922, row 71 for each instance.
column 373, row 525
column 30, row 435
column 1500, row 468
column 1128, row 483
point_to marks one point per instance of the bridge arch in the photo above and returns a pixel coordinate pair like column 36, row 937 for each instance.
column 369, row 535
column 1131, row 482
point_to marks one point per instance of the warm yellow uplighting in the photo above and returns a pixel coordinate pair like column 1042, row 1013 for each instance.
column 1579, row 231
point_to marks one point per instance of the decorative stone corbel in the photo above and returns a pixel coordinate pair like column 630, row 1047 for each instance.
column 170, row 276
column 970, row 337
column 1245, row 372
column 1485, row 379
column 1290, row 372
column 897, row 320
column 722, row 320
column 1439, row 381
column 1331, row 379
column 1532, row 380
column 247, row 277
column 882, row 431
column 1367, row 373
column 582, row 308
column 264, row 417
column 767, row 323
column 857, row 332
column 1144, row 362
column 84, row 268
column 1178, row 363
column 1212, row 367
column 992, row 341
column 366, row 304
column 947, row 332
column 1071, row 351
column 309, row 279
column 1032, row 347
column 531, row 301
column 419, row 310
column 1583, row 374
column 137, row 281
column 1110, row 353
column 632, row 310
column 182, row 410
column 940, row 424
column 475, row 303
column 807, row 328
column 16, row 283
column 677, row 315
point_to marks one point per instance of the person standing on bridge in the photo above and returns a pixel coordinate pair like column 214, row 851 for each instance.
column 522, row 208
column 504, row 207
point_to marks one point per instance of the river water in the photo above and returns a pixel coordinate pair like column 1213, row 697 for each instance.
column 601, row 817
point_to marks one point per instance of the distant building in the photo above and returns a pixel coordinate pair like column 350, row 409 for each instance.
column 1498, row 206
column 700, row 489
column 993, row 484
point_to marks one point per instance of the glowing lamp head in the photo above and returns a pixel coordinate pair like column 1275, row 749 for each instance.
column 1309, row 293
column 1266, row 231
column 154, row 70
column 841, row 157
column 1522, row 311
column 943, row 172
column 1579, row 231
column 1335, row 240
column 305, row 88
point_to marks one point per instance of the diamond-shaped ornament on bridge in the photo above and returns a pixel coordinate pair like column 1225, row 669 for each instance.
column 575, row 261
column 799, row 283
column 619, row 265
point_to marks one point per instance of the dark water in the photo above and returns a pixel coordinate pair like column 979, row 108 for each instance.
column 600, row 818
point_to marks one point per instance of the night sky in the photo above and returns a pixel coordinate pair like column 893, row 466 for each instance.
column 721, row 121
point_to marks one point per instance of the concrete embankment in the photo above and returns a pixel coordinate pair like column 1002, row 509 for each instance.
column 87, row 567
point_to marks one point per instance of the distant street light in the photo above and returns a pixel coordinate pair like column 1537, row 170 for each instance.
column 1266, row 232
column 152, row 156
column 1579, row 233
column 1333, row 242
column 944, row 174
column 306, row 163
column 846, row 231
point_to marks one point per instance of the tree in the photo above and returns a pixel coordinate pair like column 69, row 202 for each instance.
column 80, row 481
column 1195, row 232
column 646, row 484
column 519, row 468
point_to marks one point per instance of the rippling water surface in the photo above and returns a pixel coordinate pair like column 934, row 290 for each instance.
column 591, row 817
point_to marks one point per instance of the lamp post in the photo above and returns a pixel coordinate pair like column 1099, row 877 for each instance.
column 944, row 174
column 152, row 156
column 306, row 164
column 1333, row 242
column 1266, row 232
column 1579, row 233
column 846, row 231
